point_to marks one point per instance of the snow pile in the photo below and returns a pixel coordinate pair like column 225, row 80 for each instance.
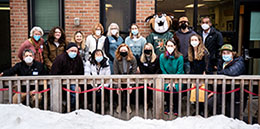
column 22, row 117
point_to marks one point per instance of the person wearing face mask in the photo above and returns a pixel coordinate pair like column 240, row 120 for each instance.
column 183, row 34
column 112, row 42
column 171, row 62
column 27, row 67
column 213, row 40
column 79, row 39
column 198, row 55
column 35, row 43
column 231, row 65
column 124, row 63
column 135, row 41
column 96, row 40
column 69, row 63
column 97, row 64
column 55, row 45
column 149, row 61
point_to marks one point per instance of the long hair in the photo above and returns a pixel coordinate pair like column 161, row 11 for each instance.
column 93, row 61
column 82, row 44
column 153, row 56
column 129, row 56
column 130, row 33
column 51, row 36
column 95, row 27
column 201, row 49
column 176, row 53
column 109, row 29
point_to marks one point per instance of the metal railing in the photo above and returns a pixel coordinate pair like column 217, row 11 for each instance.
column 145, row 95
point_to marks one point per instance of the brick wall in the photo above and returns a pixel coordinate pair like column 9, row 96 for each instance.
column 86, row 10
column 18, row 26
column 144, row 8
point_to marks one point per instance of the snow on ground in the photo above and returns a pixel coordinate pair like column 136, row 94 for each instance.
column 22, row 117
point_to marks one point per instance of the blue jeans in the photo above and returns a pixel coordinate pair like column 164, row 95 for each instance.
column 72, row 95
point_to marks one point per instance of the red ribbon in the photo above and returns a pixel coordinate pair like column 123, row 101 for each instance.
column 72, row 91
column 249, row 92
column 133, row 88
column 35, row 92
column 4, row 89
column 235, row 90
column 150, row 88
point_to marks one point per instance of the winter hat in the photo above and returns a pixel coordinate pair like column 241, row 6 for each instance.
column 71, row 44
column 226, row 47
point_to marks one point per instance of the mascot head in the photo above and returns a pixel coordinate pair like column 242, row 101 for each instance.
column 160, row 23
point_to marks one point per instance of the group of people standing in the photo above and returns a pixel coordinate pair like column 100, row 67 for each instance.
column 186, row 52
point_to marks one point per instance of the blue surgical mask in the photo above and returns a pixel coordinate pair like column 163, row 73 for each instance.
column 99, row 59
column 227, row 58
column 134, row 32
column 36, row 37
column 72, row 55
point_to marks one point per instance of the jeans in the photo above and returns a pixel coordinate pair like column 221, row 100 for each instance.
column 72, row 96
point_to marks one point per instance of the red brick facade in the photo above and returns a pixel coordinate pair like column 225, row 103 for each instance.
column 86, row 10
column 18, row 26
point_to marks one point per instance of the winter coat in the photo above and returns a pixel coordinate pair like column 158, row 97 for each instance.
column 22, row 69
column 131, row 66
column 184, row 42
column 36, row 47
column 213, row 42
column 171, row 65
column 158, row 41
column 199, row 66
column 234, row 68
column 93, row 43
column 150, row 67
column 92, row 69
column 50, row 52
column 64, row 65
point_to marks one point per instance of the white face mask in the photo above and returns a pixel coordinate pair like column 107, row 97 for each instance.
column 170, row 49
column 113, row 32
column 205, row 26
column 98, row 32
column 28, row 59
column 194, row 43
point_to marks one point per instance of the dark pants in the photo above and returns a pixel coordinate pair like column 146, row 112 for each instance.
column 175, row 101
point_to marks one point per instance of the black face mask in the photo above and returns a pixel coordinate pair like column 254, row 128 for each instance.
column 148, row 52
column 124, row 54
column 183, row 26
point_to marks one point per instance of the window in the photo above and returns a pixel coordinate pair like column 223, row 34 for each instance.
column 46, row 14
column 121, row 12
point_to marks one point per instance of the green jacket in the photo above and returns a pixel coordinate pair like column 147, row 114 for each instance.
column 158, row 41
column 171, row 66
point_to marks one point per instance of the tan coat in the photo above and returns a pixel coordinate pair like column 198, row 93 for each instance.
column 50, row 52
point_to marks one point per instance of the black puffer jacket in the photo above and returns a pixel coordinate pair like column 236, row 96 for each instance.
column 213, row 42
column 234, row 68
column 22, row 69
